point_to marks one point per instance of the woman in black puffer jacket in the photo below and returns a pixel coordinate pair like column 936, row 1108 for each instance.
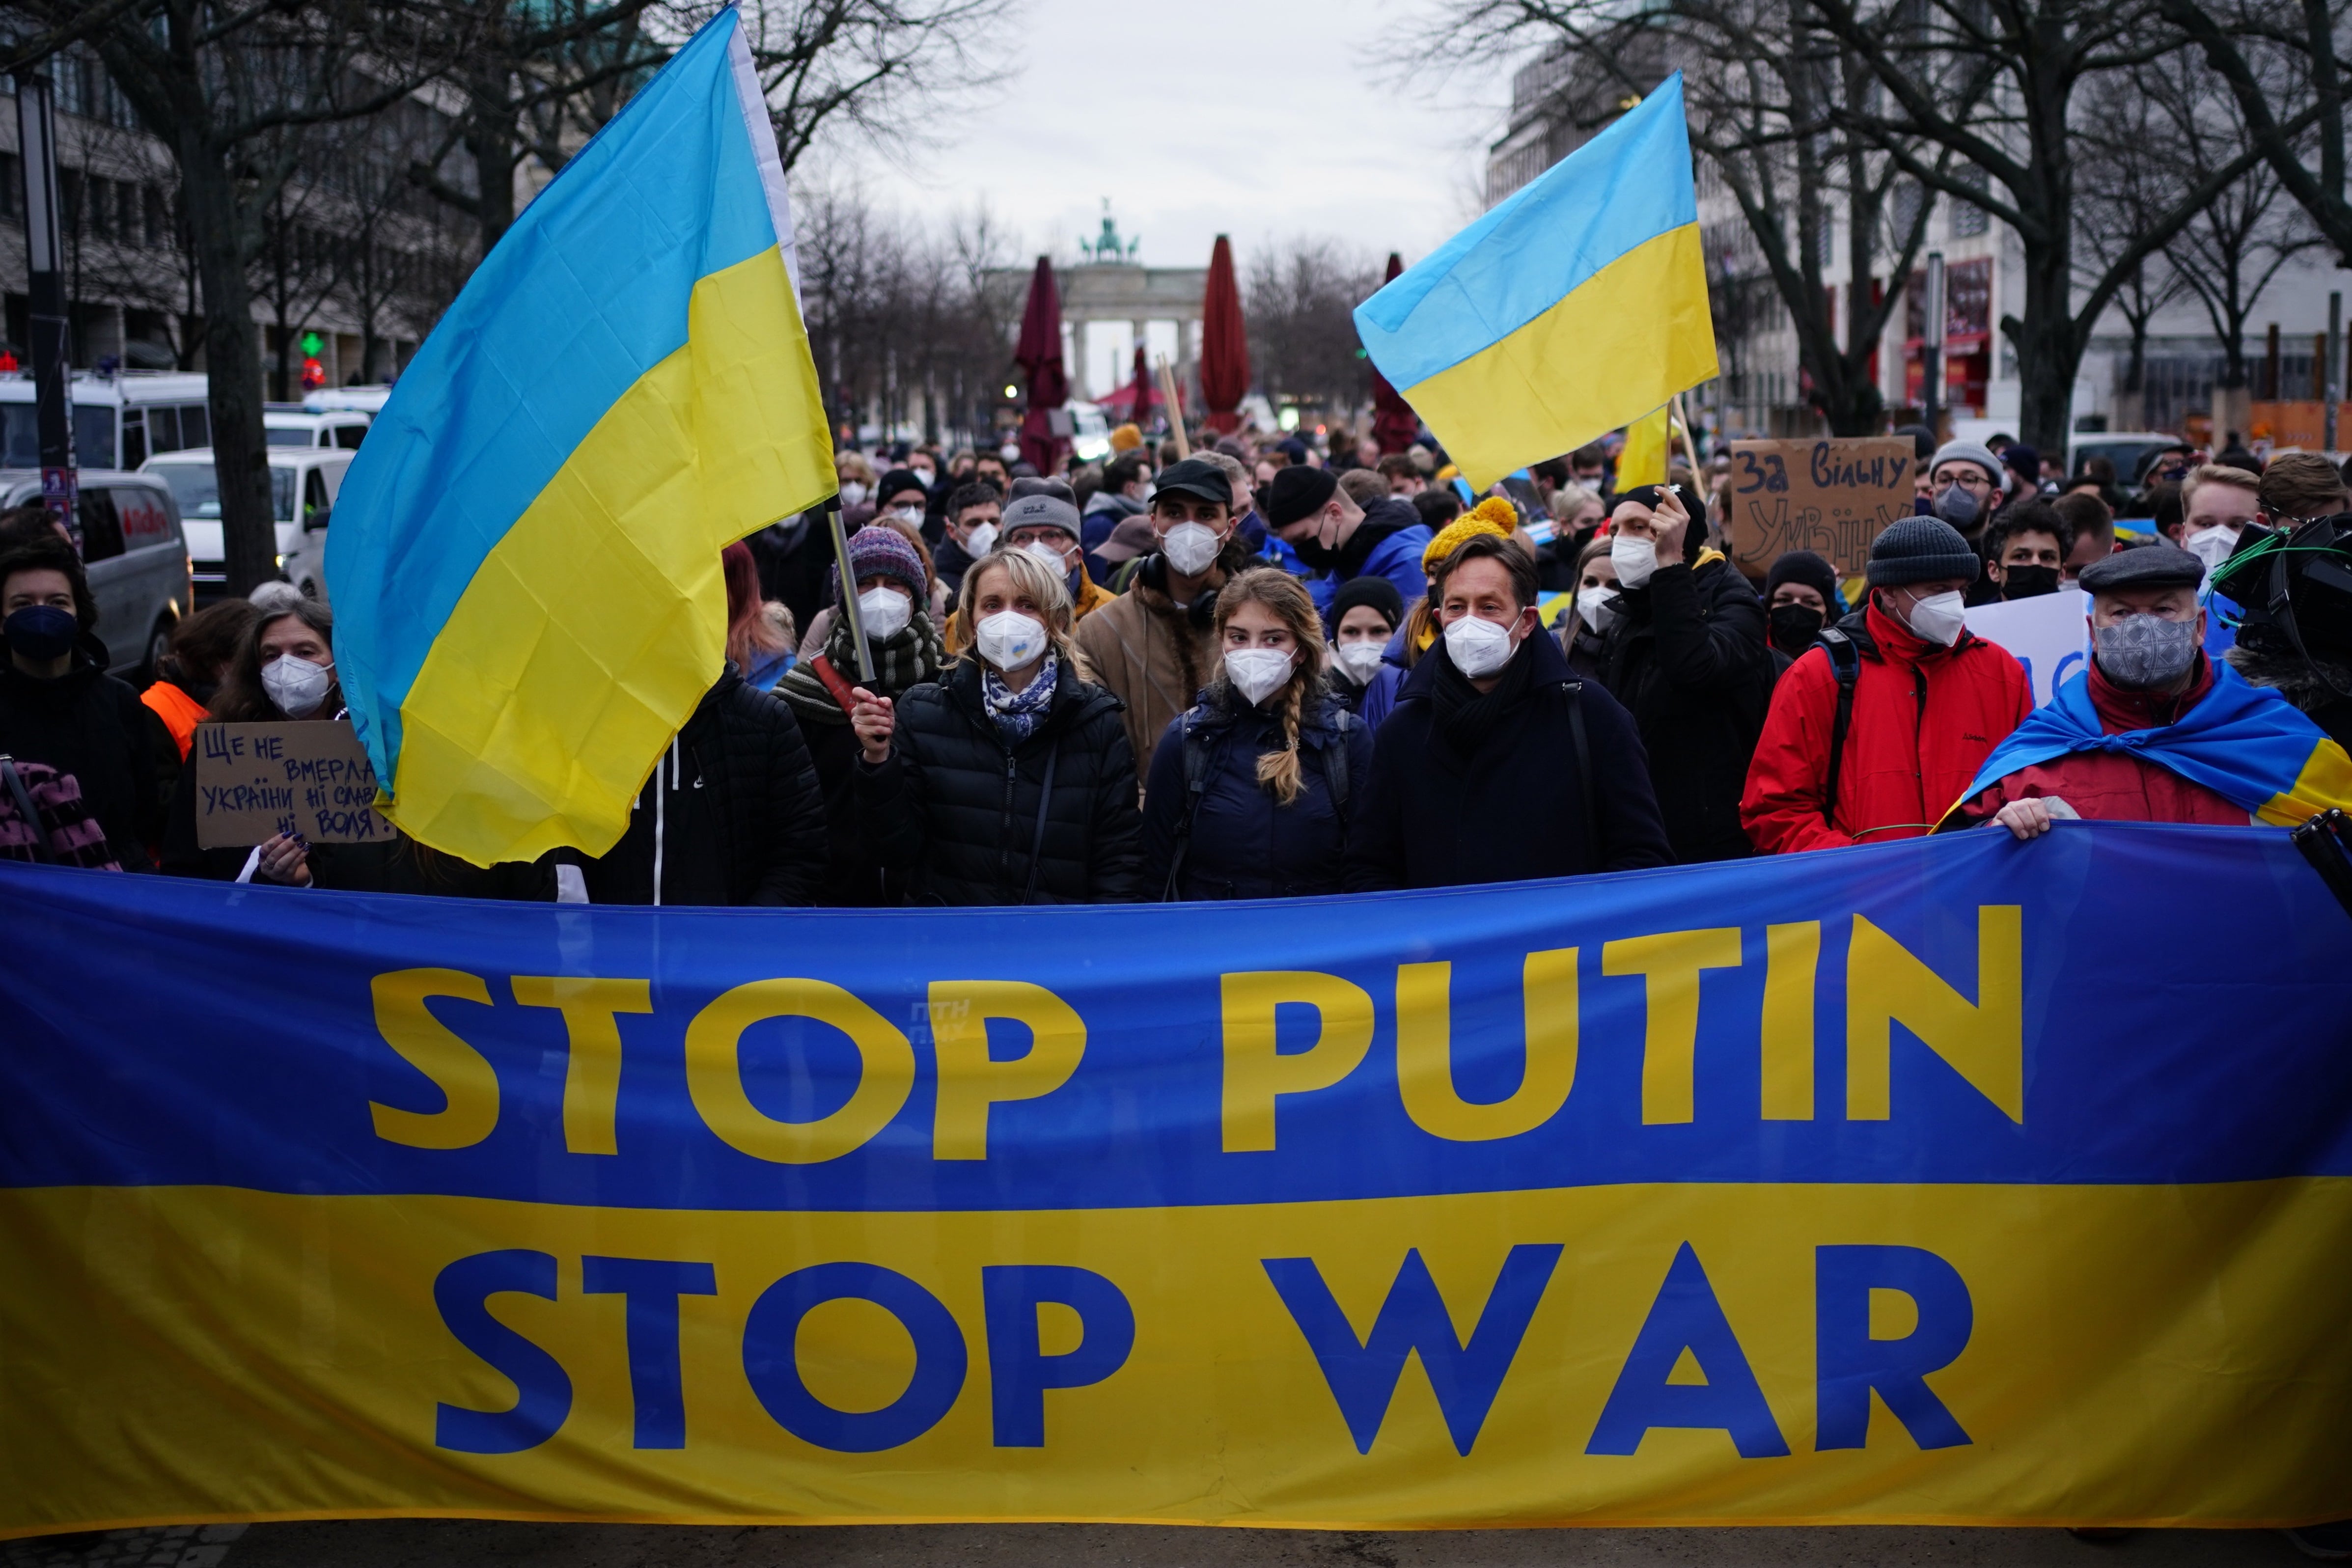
column 1250, row 789
column 1686, row 656
column 1011, row 780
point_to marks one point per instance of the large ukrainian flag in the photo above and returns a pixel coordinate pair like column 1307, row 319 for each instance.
column 1576, row 306
column 524, row 557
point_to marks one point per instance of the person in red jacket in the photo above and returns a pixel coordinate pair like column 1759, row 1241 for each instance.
column 1925, row 703
column 2148, row 670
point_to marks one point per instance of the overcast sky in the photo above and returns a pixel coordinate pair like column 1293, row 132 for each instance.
column 1259, row 119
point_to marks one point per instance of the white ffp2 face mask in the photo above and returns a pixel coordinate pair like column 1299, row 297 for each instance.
column 1592, row 603
column 1939, row 618
column 1634, row 559
column 298, row 686
column 1009, row 640
column 1192, row 547
column 1360, row 659
column 1049, row 555
column 1258, row 673
column 1478, row 648
column 980, row 541
column 885, row 611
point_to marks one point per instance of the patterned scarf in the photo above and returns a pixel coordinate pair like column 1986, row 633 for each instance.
column 905, row 661
column 1018, row 713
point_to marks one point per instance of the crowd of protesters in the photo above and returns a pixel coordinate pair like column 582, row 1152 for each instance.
column 1266, row 670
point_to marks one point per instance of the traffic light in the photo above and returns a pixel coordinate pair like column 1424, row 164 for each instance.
column 314, row 373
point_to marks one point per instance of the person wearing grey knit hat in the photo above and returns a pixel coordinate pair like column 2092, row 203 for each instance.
column 1969, row 484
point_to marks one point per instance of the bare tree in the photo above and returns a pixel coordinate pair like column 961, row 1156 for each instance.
column 1998, row 91
column 2283, row 64
column 2232, row 249
column 1299, row 297
column 1765, row 88
column 221, row 82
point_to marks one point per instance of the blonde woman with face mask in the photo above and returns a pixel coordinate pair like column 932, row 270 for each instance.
column 1009, row 780
column 1250, row 791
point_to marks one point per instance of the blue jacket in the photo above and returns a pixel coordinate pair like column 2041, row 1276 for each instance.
column 1244, row 842
column 1514, row 808
column 1396, row 555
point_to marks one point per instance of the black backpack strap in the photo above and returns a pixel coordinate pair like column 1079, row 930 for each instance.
column 13, row 782
column 1196, row 783
column 1574, row 692
column 1845, row 661
column 1334, row 761
column 1044, row 801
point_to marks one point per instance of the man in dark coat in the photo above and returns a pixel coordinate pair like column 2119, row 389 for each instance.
column 1687, row 658
column 1497, row 764
column 967, row 817
column 732, row 815
column 58, row 705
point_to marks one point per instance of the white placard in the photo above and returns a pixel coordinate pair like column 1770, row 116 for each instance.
column 2050, row 633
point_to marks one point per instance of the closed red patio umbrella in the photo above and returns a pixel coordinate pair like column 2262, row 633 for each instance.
column 1039, row 355
column 1224, row 343
column 1394, row 423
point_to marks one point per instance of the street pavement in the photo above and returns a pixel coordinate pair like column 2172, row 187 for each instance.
column 467, row 1543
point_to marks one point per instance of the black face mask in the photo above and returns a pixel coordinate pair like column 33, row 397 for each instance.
column 2028, row 582
column 1794, row 627
column 1318, row 554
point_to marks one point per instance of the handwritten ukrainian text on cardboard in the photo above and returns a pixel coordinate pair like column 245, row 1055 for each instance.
column 255, row 780
column 1831, row 495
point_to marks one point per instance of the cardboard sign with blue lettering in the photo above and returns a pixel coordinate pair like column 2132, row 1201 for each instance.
column 1896, row 1184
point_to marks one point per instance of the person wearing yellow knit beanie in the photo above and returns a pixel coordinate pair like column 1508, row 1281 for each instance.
column 1493, row 515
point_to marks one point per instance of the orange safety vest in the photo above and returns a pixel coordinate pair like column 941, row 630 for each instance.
column 180, row 712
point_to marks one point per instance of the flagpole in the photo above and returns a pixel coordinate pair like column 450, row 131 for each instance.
column 849, row 611
column 1175, row 408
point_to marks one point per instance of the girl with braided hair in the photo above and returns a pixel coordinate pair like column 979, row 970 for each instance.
column 1250, row 791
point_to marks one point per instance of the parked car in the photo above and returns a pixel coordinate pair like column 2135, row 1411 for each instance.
column 290, row 425
column 137, row 557
column 118, row 421
column 303, row 481
column 2127, row 449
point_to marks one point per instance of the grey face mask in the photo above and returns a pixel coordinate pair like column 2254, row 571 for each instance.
column 2144, row 651
column 1957, row 507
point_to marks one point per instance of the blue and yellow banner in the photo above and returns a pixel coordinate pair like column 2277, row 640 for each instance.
column 524, row 561
column 1577, row 305
column 1884, row 1185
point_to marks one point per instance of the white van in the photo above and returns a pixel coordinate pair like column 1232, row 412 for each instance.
column 118, row 421
column 137, row 559
column 303, row 481
column 290, row 425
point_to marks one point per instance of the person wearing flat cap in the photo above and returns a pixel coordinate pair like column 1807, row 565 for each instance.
column 1873, row 731
column 1154, row 646
column 2153, row 730
column 1339, row 541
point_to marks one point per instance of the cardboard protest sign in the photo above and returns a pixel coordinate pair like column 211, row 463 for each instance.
column 1831, row 495
column 256, row 781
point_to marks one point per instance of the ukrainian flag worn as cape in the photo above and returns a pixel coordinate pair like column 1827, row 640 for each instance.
column 524, row 559
column 1578, row 305
column 2245, row 743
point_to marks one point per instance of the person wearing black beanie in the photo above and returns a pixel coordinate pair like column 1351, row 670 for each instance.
column 1801, row 597
column 1365, row 613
